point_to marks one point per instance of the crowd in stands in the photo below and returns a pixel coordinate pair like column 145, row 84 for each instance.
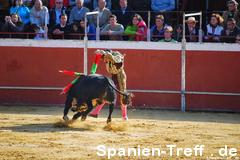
column 120, row 20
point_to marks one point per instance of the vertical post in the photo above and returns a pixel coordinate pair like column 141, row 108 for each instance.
column 85, row 57
column 148, row 30
column 200, row 34
column 98, row 29
column 45, row 25
column 183, row 68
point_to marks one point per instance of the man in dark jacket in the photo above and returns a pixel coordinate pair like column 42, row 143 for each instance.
column 124, row 13
column 56, row 12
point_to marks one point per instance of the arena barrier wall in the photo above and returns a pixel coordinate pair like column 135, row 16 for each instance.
column 29, row 72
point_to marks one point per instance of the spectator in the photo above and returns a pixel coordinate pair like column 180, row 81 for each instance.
column 53, row 3
column 60, row 30
column 162, row 6
column 178, row 33
column 230, row 31
column 79, row 28
column 13, row 23
column 124, row 13
column 104, row 14
column 232, row 12
column 39, row 14
column 214, row 29
column 238, row 39
column 141, row 7
column 157, row 31
column 113, row 30
column 56, row 12
column 78, row 12
column 168, row 35
column 108, row 4
column 137, row 30
column 21, row 10
column 191, row 30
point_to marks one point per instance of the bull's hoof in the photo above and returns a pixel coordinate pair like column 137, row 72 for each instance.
column 93, row 115
column 65, row 118
column 83, row 118
column 109, row 120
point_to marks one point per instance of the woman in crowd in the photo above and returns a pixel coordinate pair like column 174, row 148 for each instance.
column 214, row 29
column 137, row 30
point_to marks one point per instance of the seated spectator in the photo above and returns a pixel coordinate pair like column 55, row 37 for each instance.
column 13, row 24
column 52, row 3
column 56, row 12
column 214, row 29
column 79, row 28
column 137, row 30
column 21, row 10
column 60, row 30
column 104, row 14
column 230, row 31
column 178, row 33
column 191, row 30
column 108, row 4
column 124, row 13
column 162, row 6
column 238, row 39
column 113, row 30
column 78, row 12
column 39, row 14
column 157, row 31
column 232, row 12
column 168, row 35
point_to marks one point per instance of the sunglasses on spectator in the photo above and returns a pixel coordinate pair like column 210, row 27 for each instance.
column 237, row 39
column 58, row 2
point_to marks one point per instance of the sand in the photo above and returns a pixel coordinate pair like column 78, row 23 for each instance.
column 38, row 132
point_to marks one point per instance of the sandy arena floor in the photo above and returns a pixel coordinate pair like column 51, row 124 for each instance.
column 38, row 133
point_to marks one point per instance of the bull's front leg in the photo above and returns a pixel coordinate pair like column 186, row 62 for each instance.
column 89, row 109
column 110, row 112
column 68, row 105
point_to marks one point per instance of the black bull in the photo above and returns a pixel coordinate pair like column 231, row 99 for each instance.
column 90, row 91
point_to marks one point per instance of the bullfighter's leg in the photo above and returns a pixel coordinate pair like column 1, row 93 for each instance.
column 68, row 105
column 110, row 112
column 120, row 81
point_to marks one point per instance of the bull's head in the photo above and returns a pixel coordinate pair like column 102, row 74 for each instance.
column 127, row 99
